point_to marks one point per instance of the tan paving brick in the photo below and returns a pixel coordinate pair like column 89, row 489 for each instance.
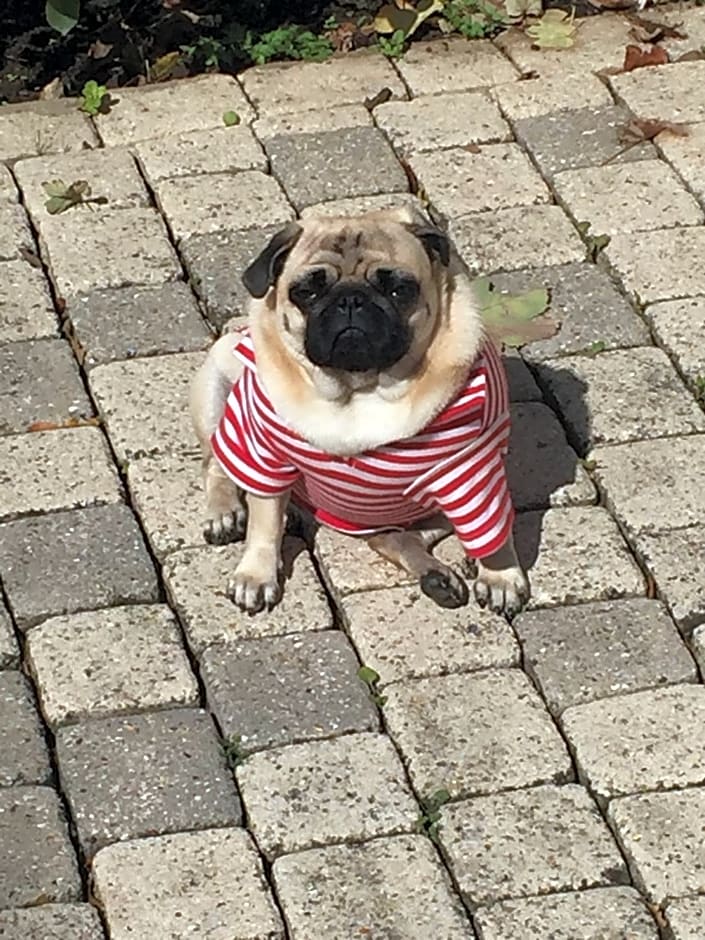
column 698, row 641
column 8, row 190
column 172, row 108
column 15, row 233
column 431, row 68
column 350, row 788
column 348, row 564
column 686, row 918
column 9, row 651
column 679, row 326
column 43, row 127
column 498, row 177
column 357, row 204
column 167, row 492
column 180, row 885
column 664, row 266
column 58, row 921
column 474, row 734
column 673, row 92
column 220, row 150
column 687, row 156
column 26, row 309
column 677, row 562
column 276, row 124
column 561, row 92
column 109, row 661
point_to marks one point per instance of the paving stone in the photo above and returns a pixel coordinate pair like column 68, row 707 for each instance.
column 172, row 108
column 348, row 565
column 663, row 838
column 37, row 863
column 346, row 789
column 23, row 754
column 26, row 310
column 638, row 742
column 334, row 164
column 175, row 887
column 674, row 93
column 547, row 94
column 43, row 127
column 280, row 88
column 597, row 914
column 587, row 305
column 112, row 174
column 9, row 651
column 52, row 922
column 199, row 205
column 624, row 395
column 167, row 492
column 577, row 655
column 685, row 154
column 653, row 486
column 522, row 385
column 542, row 468
column 498, row 177
column 221, row 150
column 698, row 640
column 40, row 383
column 139, row 775
column 15, row 234
column 144, row 403
column 432, row 68
column 664, row 266
column 137, row 321
column 633, row 197
column 477, row 733
column 214, row 263
column 96, row 556
column 686, row 918
column 529, row 842
column 60, row 470
column 112, row 248
column 567, row 140
column 147, row 666
column 287, row 689
column 8, row 190
column 677, row 562
column 196, row 581
column 575, row 555
column 512, row 238
column 679, row 326
column 274, row 124
column 372, row 889
column 360, row 204
column 402, row 634
column 438, row 122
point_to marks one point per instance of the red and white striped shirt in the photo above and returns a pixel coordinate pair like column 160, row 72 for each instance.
column 455, row 464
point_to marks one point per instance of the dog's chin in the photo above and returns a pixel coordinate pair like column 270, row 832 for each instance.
column 353, row 350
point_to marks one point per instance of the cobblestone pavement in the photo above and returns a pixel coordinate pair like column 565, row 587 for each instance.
column 571, row 743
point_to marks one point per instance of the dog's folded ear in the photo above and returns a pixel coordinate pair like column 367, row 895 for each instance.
column 263, row 272
column 436, row 242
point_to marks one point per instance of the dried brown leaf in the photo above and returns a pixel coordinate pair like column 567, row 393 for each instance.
column 693, row 55
column 637, row 58
column 639, row 130
column 655, row 27
column 381, row 97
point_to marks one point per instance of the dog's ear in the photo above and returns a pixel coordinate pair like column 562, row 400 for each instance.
column 435, row 242
column 263, row 272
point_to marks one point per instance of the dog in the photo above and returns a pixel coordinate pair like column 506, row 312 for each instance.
column 365, row 390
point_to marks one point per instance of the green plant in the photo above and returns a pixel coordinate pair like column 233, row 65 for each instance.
column 206, row 48
column 93, row 97
column 429, row 821
column 288, row 42
column 231, row 118
column 371, row 679
column 62, row 15
column 62, row 197
column 474, row 18
column 232, row 750
column 699, row 383
column 394, row 45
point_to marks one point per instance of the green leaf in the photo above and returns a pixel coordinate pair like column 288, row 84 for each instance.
column 63, row 197
column 62, row 15
column 392, row 18
column 92, row 96
column 231, row 118
column 436, row 800
column 514, row 320
column 555, row 30
column 368, row 675
column 595, row 243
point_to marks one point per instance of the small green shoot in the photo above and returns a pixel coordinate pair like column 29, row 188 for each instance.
column 63, row 197
column 232, row 751
column 699, row 383
column 429, row 821
column 594, row 349
column 595, row 243
column 473, row 19
column 288, row 42
column 231, row 118
column 371, row 679
column 394, row 45
column 94, row 99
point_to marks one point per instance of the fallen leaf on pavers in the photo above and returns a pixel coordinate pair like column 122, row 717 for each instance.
column 694, row 55
column 637, row 58
column 405, row 16
column 62, row 425
column 653, row 31
column 161, row 69
column 518, row 10
column 472, row 148
column 595, row 243
column 380, row 98
column 555, row 30
column 63, row 197
column 642, row 130
column 515, row 319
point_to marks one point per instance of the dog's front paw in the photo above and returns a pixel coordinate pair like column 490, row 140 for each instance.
column 252, row 592
column 505, row 591
column 226, row 528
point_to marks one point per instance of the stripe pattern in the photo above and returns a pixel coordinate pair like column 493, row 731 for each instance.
column 455, row 464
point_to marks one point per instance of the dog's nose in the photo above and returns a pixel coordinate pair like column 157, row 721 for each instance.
column 350, row 304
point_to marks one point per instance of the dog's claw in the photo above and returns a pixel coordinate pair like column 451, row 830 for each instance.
column 253, row 596
column 504, row 592
column 230, row 527
column 445, row 589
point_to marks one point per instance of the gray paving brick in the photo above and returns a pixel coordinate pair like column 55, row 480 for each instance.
column 542, row 468
column 473, row 734
column 639, row 742
column 369, row 890
column 23, row 754
column 674, row 93
column 15, row 233
column 359, row 204
column 181, row 885
column 196, row 581
column 214, row 263
column 350, row 788
column 663, row 838
column 566, row 140
column 137, row 321
column 686, row 918
column 26, row 309
column 146, row 666
column 39, row 382
column 431, row 68
column 140, row 775
column 335, row 164
column 596, row 914
column 587, row 305
column 627, row 395
column 37, row 863
column 402, row 634
column 52, row 922
column 288, row 689
column 9, row 651
column 679, row 326
column 43, row 127
column 522, row 385
column 219, row 150
column 664, row 266
column 167, row 492
column 578, row 654
column 529, row 842
column 677, row 562
column 75, row 560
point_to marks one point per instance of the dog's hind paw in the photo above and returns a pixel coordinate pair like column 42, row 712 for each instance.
column 445, row 588
column 230, row 527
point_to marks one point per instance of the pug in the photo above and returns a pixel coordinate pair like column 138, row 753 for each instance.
column 364, row 390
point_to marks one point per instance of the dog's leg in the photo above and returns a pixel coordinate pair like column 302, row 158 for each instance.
column 225, row 506
column 501, row 583
column 256, row 584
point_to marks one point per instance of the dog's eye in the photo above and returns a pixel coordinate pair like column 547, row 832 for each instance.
column 401, row 288
column 309, row 288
